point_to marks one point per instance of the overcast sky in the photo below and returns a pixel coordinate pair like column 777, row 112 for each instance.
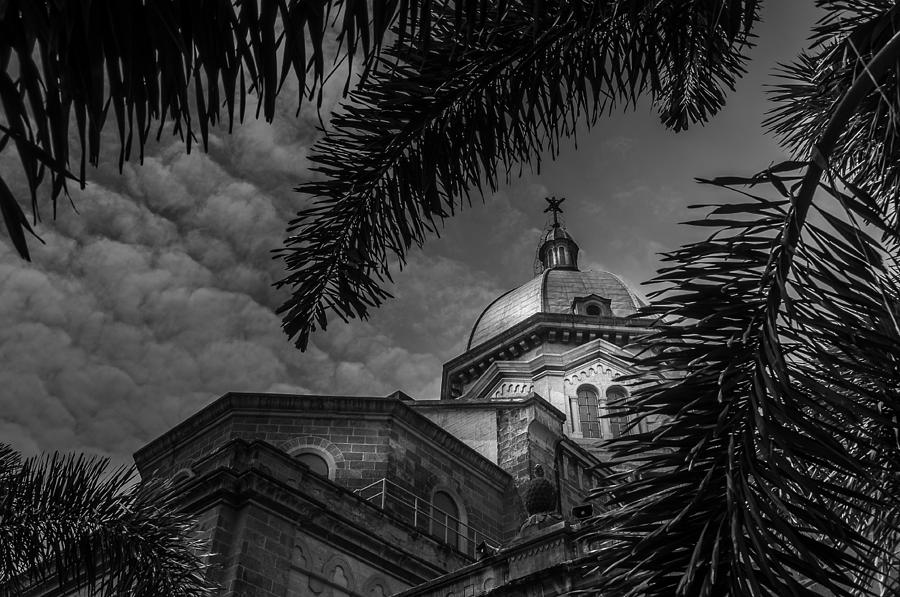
column 156, row 297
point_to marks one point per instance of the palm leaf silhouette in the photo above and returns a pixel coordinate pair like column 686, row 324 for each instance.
column 67, row 520
column 435, row 122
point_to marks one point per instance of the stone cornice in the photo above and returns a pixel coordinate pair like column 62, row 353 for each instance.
column 236, row 403
column 496, row 404
column 242, row 472
column 565, row 536
column 595, row 350
column 571, row 328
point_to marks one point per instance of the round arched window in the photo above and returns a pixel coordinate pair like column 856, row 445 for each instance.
column 589, row 411
column 446, row 518
column 592, row 310
column 316, row 463
column 617, row 422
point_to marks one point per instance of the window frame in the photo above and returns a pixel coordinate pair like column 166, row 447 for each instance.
column 618, row 423
column 461, row 519
column 589, row 425
column 323, row 454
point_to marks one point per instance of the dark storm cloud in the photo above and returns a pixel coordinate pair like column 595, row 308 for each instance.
column 157, row 297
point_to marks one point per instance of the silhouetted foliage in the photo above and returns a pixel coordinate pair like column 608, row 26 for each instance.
column 68, row 521
column 774, row 471
column 488, row 94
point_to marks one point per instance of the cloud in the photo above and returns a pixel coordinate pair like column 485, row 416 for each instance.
column 157, row 297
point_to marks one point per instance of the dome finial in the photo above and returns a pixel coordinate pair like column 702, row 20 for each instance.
column 558, row 249
column 554, row 208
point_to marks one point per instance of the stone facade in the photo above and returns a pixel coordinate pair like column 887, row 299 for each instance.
column 551, row 560
column 420, row 497
column 346, row 496
column 367, row 527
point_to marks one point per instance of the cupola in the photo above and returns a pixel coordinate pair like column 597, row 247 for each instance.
column 558, row 250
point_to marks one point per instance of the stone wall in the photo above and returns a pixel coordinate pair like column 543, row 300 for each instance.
column 477, row 428
column 577, row 477
column 364, row 441
column 359, row 446
column 276, row 529
column 512, row 442
column 547, row 564
column 424, row 468
column 318, row 569
column 353, row 430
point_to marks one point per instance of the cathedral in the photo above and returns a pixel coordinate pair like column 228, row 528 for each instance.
column 482, row 492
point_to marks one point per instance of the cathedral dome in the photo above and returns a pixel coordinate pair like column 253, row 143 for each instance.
column 555, row 290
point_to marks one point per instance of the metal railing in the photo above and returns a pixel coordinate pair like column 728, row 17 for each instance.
column 425, row 517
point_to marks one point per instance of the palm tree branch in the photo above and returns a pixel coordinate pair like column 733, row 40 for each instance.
column 777, row 430
column 170, row 60
column 887, row 56
column 865, row 151
column 66, row 519
column 411, row 145
column 740, row 492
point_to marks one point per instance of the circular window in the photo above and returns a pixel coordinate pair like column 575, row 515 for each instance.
column 593, row 310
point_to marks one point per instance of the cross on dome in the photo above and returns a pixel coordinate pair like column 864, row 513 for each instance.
column 558, row 249
column 554, row 208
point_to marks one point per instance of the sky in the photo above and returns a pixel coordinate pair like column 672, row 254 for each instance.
column 156, row 297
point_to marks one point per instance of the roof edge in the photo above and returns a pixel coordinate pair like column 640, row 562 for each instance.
column 485, row 310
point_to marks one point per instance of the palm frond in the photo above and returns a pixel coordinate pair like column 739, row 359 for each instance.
column 68, row 520
column 436, row 122
column 777, row 473
column 191, row 62
column 768, row 475
column 867, row 151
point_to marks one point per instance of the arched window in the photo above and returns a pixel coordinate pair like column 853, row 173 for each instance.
column 314, row 461
column 593, row 309
column 319, row 454
column 617, row 422
column 589, row 411
column 183, row 475
column 445, row 518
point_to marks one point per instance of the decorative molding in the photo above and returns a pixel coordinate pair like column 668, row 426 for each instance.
column 374, row 581
column 495, row 404
column 581, row 303
column 183, row 474
column 513, row 388
column 596, row 371
column 329, row 567
column 530, row 332
column 302, row 443
column 598, row 353
column 316, row 445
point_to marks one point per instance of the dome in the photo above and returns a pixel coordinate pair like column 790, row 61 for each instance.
column 554, row 291
column 556, row 233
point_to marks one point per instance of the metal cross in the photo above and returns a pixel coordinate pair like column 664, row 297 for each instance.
column 554, row 207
